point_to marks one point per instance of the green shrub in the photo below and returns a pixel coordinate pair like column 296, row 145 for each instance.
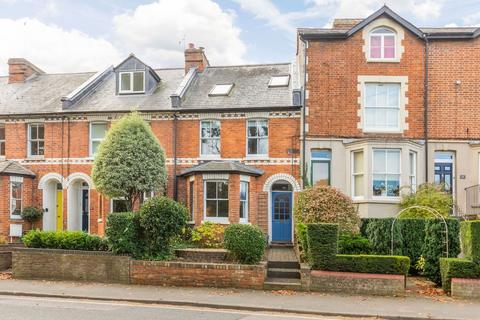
column 322, row 244
column 427, row 195
column 161, row 219
column 301, row 237
column 378, row 233
column 371, row 264
column 323, row 204
column 434, row 245
column 457, row 268
column 353, row 244
column 245, row 242
column 123, row 234
column 68, row 240
column 470, row 235
column 208, row 235
column 31, row 214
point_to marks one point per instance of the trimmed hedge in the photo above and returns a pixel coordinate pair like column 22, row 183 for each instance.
column 353, row 244
column 322, row 254
column 470, row 235
column 372, row 264
column 457, row 268
column 67, row 240
column 245, row 242
column 322, row 245
column 123, row 233
column 434, row 246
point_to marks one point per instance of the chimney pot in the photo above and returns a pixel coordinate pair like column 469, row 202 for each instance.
column 191, row 46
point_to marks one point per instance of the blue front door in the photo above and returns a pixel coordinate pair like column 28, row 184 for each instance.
column 282, row 216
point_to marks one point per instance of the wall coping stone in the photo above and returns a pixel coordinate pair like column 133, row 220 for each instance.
column 357, row 274
column 77, row 252
column 200, row 265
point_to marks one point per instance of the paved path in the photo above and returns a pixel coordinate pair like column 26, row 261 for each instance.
column 73, row 309
column 250, row 300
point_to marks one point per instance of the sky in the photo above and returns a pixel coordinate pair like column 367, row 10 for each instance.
column 90, row 35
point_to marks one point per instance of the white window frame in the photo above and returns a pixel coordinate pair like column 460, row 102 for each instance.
column 15, row 180
column 30, row 140
column 386, row 173
column 382, row 44
column 327, row 160
column 285, row 81
column 246, row 205
column 382, row 108
column 258, row 138
column 3, row 141
column 217, row 219
column 111, row 202
column 355, row 174
column 131, row 81
column 214, row 91
column 91, row 140
column 216, row 155
column 412, row 178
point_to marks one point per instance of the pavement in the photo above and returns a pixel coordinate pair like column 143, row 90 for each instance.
column 283, row 302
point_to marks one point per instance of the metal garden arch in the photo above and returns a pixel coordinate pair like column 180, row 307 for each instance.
column 429, row 210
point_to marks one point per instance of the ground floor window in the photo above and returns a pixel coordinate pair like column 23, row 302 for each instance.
column 386, row 173
column 444, row 161
column 244, row 201
column 320, row 165
column 357, row 174
column 216, row 199
column 412, row 158
column 191, row 200
column 16, row 199
column 119, row 205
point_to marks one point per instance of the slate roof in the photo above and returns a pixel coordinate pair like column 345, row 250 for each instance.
column 10, row 167
column 250, row 88
column 222, row 167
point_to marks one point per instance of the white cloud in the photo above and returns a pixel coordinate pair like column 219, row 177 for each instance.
column 472, row 19
column 51, row 48
column 155, row 32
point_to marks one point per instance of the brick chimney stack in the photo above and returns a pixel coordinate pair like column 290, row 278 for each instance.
column 19, row 69
column 345, row 24
column 195, row 58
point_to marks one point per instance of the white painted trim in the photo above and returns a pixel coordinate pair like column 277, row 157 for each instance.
column 90, row 140
column 120, row 91
column 244, row 178
column 281, row 176
column 256, row 155
column 215, row 176
column 79, row 176
column 389, row 24
column 209, row 156
column 51, row 176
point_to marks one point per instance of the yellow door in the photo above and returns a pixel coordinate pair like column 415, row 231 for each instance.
column 59, row 210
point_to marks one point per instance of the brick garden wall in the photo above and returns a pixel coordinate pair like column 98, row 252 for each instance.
column 196, row 274
column 70, row 265
column 465, row 288
column 5, row 260
column 352, row 283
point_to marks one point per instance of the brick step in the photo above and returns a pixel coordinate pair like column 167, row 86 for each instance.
column 283, row 273
column 282, row 284
column 281, row 245
column 283, row 264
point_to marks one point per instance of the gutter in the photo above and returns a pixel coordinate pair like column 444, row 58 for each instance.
column 425, row 107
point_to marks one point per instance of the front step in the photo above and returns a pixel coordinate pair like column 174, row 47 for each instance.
column 284, row 264
column 282, row 284
column 283, row 273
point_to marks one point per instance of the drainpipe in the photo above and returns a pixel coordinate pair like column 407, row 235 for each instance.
column 175, row 187
column 425, row 107
column 304, row 107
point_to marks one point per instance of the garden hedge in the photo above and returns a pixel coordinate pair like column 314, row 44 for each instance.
column 457, row 268
column 470, row 235
column 245, row 242
column 67, row 240
column 123, row 234
column 322, row 254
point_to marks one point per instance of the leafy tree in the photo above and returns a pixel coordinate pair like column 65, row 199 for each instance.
column 427, row 195
column 130, row 161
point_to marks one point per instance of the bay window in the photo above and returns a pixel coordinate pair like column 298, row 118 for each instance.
column 412, row 159
column 386, row 173
column 16, row 198
column 357, row 174
column 244, row 201
column 216, row 200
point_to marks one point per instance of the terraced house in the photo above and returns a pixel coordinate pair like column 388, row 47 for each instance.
column 388, row 106
column 230, row 135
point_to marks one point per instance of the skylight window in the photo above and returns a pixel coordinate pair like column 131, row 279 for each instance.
column 279, row 81
column 221, row 90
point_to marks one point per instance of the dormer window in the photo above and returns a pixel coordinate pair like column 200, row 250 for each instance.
column 279, row 81
column 382, row 44
column 132, row 82
column 221, row 90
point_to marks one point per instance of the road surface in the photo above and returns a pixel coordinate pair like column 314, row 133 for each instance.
column 24, row 308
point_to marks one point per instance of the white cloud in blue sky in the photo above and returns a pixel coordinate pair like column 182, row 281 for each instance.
column 69, row 35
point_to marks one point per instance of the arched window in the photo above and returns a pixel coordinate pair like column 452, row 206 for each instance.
column 382, row 44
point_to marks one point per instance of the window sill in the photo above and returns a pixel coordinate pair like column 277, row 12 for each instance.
column 213, row 157
column 16, row 218
column 35, row 157
column 382, row 131
column 385, row 200
column 375, row 60
column 256, row 157
column 217, row 220
column 244, row 221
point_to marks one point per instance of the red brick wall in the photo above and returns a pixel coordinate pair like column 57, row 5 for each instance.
column 333, row 69
column 460, row 104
